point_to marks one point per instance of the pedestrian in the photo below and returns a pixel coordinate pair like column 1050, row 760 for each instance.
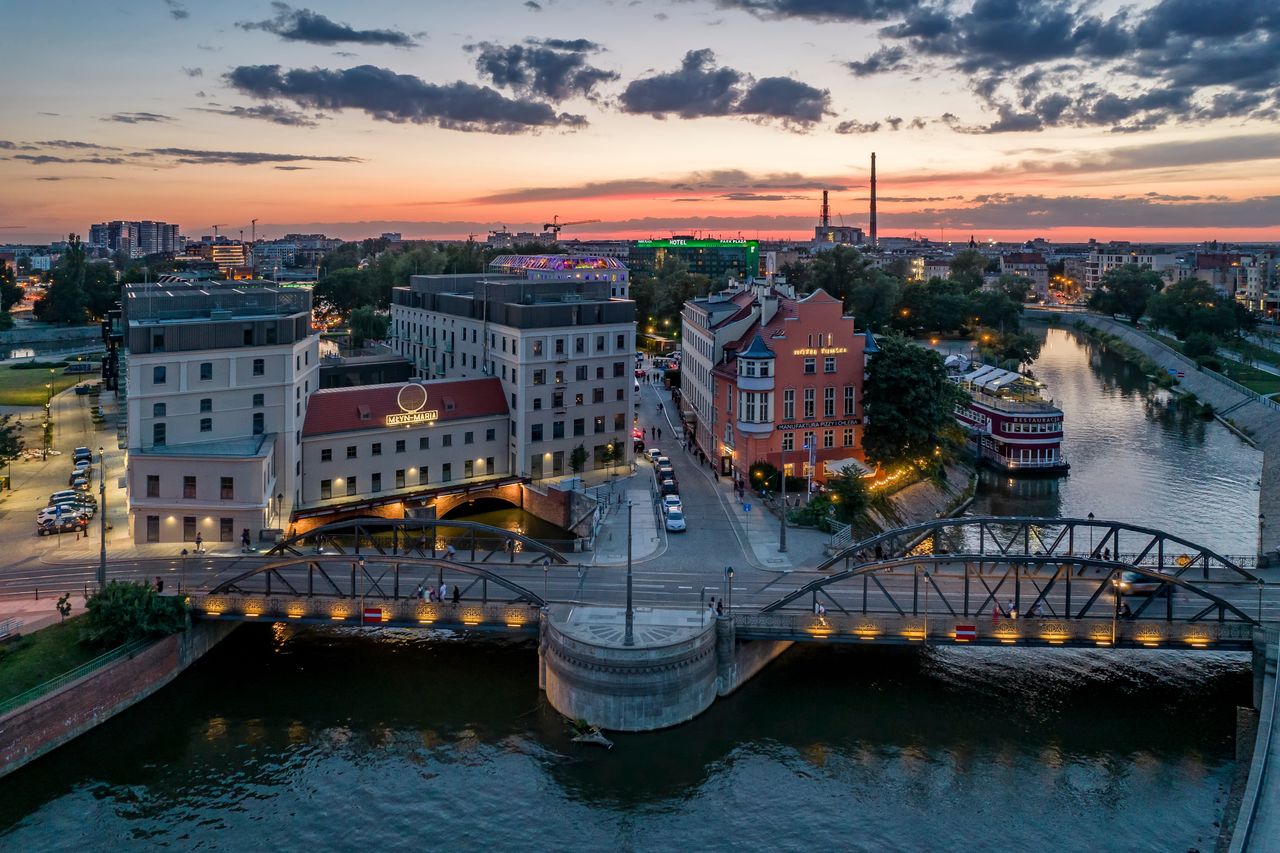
column 159, row 584
column 995, row 613
column 450, row 553
column 199, row 543
column 245, row 540
column 1106, row 554
column 444, row 591
column 1037, row 612
column 431, row 592
column 1125, row 612
column 711, row 605
column 457, row 594
column 720, row 607
column 1011, row 610
column 659, row 433
column 421, row 592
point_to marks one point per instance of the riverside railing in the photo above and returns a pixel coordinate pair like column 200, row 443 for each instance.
column 118, row 653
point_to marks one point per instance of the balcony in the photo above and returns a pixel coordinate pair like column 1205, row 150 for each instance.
column 754, row 428
column 754, row 383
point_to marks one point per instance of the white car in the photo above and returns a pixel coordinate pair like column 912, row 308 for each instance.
column 670, row 502
column 675, row 521
column 654, row 455
column 53, row 513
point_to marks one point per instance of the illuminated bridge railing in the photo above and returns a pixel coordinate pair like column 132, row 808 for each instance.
column 497, row 616
column 947, row 630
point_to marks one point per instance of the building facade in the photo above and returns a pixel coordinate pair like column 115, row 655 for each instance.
column 218, row 379
column 1104, row 259
column 719, row 259
column 1031, row 266
column 562, row 349
column 566, row 268
column 135, row 238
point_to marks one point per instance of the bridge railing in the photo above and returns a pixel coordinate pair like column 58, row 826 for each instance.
column 945, row 629
column 353, row 611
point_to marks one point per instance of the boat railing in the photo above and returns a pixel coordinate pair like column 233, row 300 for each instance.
column 1010, row 405
column 1019, row 464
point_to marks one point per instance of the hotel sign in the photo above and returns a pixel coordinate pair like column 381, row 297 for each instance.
column 820, row 351
column 412, row 400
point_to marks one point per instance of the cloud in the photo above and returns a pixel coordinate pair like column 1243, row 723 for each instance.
column 712, row 182
column 387, row 96
column 555, row 69
column 242, row 158
column 177, row 11
column 293, row 168
column 853, row 126
column 884, row 60
column 47, row 159
column 748, row 196
column 312, row 27
column 533, row 5
column 823, row 10
column 137, row 118
column 1001, row 211
column 193, row 72
column 698, row 89
column 266, row 112
column 71, row 143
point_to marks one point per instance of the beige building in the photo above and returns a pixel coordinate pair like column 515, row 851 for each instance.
column 218, row 379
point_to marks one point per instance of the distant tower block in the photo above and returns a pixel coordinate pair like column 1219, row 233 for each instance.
column 872, row 222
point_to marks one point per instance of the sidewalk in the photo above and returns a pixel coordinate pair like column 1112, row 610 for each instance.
column 35, row 614
column 646, row 539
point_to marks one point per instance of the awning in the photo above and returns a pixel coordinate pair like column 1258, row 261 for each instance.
column 834, row 467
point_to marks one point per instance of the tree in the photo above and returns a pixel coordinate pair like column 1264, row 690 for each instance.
column 346, row 289
column 967, row 268
column 838, row 271
column 101, row 292
column 367, row 323
column 873, row 301
column 849, row 495
column 1015, row 286
column 936, row 305
column 909, row 400
column 994, row 309
column 10, row 291
column 65, row 300
column 64, row 606
column 1126, row 290
column 1199, row 345
column 578, row 459
column 1192, row 305
column 10, row 438
column 124, row 611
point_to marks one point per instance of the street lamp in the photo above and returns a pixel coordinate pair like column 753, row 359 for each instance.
column 102, row 521
column 1261, row 584
column 728, row 574
column 628, row 637
column 182, row 578
column 1090, row 517
column 782, row 531
column 1262, row 548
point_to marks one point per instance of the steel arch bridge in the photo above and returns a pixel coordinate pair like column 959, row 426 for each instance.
column 417, row 537
column 1009, row 538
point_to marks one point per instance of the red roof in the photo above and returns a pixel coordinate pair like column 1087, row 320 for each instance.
column 367, row 406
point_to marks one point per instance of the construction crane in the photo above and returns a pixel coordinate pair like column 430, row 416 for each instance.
column 555, row 224
column 215, row 230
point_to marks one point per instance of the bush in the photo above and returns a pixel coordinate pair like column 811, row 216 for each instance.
column 37, row 365
column 1200, row 345
column 122, row 612
column 816, row 513
column 763, row 476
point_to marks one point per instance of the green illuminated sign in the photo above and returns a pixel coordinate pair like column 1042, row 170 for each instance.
column 677, row 243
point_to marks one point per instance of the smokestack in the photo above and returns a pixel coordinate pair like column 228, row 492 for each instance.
column 873, row 200
column 826, row 211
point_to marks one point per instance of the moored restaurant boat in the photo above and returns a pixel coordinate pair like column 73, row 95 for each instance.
column 1011, row 426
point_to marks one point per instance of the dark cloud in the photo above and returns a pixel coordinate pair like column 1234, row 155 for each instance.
column 48, row 159
column 387, row 96
column 193, row 72
column 747, row 196
column 266, row 112
column 824, row 10
column 1012, row 211
column 555, row 69
column 852, row 126
column 716, row 181
column 177, row 11
column 293, row 168
column 72, row 143
column 533, row 5
column 137, row 118
column 885, row 59
column 312, row 27
column 242, row 158
column 699, row 88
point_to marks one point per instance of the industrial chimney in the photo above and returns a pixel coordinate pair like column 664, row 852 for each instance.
column 873, row 200
column 826, row 211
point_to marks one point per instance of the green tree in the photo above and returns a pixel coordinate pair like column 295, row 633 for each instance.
column 1199, row 345
column 101, row 292
column 838, row 271
column 1015, row 286
column 1126, row 290
column 368, row 324
column 65, row 300
column 935, row 305
column 994, row 309
column 967, row 268
column 1192, row 305
column 578, row 459
column 873, row 301
column 10, row 291
column 849, row 496
column 64, row 606
column 10, row 438
column 346, row 289
column 909, row 401
column 124, row 611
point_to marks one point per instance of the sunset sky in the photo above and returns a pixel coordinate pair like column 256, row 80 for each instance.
column 1002, row 118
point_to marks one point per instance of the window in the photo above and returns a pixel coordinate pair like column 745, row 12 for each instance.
column 326, row 489
column 153, row 485
column 377, row 448
column 259, row 367
column 829, row 402
column 376, row 484
column 849, row 401
column 399, row 478
column 579, row 344
column 153, row 528
column 227, row 488
column 158, row 375
column 748, row 407
column 157, row 434
column 351, row 451
column 535, row 432
column 157, row 341
column 490, row 434
column 226, row 529
column 188, row 487
column 488, row 462
column 764, row 368
column 848, row 438
column 809, row 408
column 424, row 475
column 189, row 528
column 206, row 404
column 748, row 367
column 559, row 377
column 468, row 468
column 789, row 404
column 579, row 426
column 808, row 440
column 578, row 399
column 446, row 471
column 326, row 455
column 537, row 404
column 424, row 442
column 351, row 486
column 557, row 429
column 622, row 342
column 447, row 440
column 246, row 336
column 539, row 377
column 206, row 424
column 600, row 372
column 559, row 346
column 619, row 369
column 557, row 400
column 788, row 441
column 206, row 371
column 537, row 348
column 597, row 395
column 468, row 437
column 581, row 373
column 619, row 421
column 259, row 423
column 620, row 395
column 829, row 364
column 258, row 401
column 828, row 438
column 599, row 343
column 157, row 410
column 810, row 365
column 599, row 423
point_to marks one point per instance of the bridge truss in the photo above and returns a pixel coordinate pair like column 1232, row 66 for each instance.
column 423, row 538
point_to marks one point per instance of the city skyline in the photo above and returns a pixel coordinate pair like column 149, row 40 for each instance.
column 1005, row 119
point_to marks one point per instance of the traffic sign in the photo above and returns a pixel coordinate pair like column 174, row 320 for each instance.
column 372, row 616
column 965, row 633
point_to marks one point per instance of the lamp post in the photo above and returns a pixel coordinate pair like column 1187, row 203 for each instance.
column 182, row 578
column 102, row 520
column 362, row 588
column 1090, row 517
column 1115, row 606
column 1262, row 548
column 628, row 637
column 728, row 574
column 782, row 531
column 1261, row 584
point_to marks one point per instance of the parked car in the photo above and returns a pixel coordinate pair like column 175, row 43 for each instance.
column 666, row 472
column 79, row 481
column 675, row 521
column 669, row 487
column 670, row 502
column 54, row 513
column 654, row 454
column 82, row 453
column 64, row 496
column 66, row 525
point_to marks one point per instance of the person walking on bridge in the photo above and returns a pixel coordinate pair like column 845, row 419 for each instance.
column 444, row 591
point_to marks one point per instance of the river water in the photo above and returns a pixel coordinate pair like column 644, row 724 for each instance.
column 301, row 739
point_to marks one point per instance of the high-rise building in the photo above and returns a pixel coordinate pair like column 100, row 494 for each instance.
column 135, row 238
column 563, row 350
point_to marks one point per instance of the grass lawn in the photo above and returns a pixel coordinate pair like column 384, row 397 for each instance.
column 1258, row 381
column 33, row 659
column 1250, row 350
column 26, row 387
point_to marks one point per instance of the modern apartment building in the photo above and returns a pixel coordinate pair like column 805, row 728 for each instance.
column 1106, row 258
column 135, row 238
column 219, row 376
column 562, row 349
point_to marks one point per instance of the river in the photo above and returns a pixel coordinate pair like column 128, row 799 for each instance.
column 303, row 739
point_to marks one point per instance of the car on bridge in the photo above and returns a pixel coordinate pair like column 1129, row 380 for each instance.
column 1136, row 583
